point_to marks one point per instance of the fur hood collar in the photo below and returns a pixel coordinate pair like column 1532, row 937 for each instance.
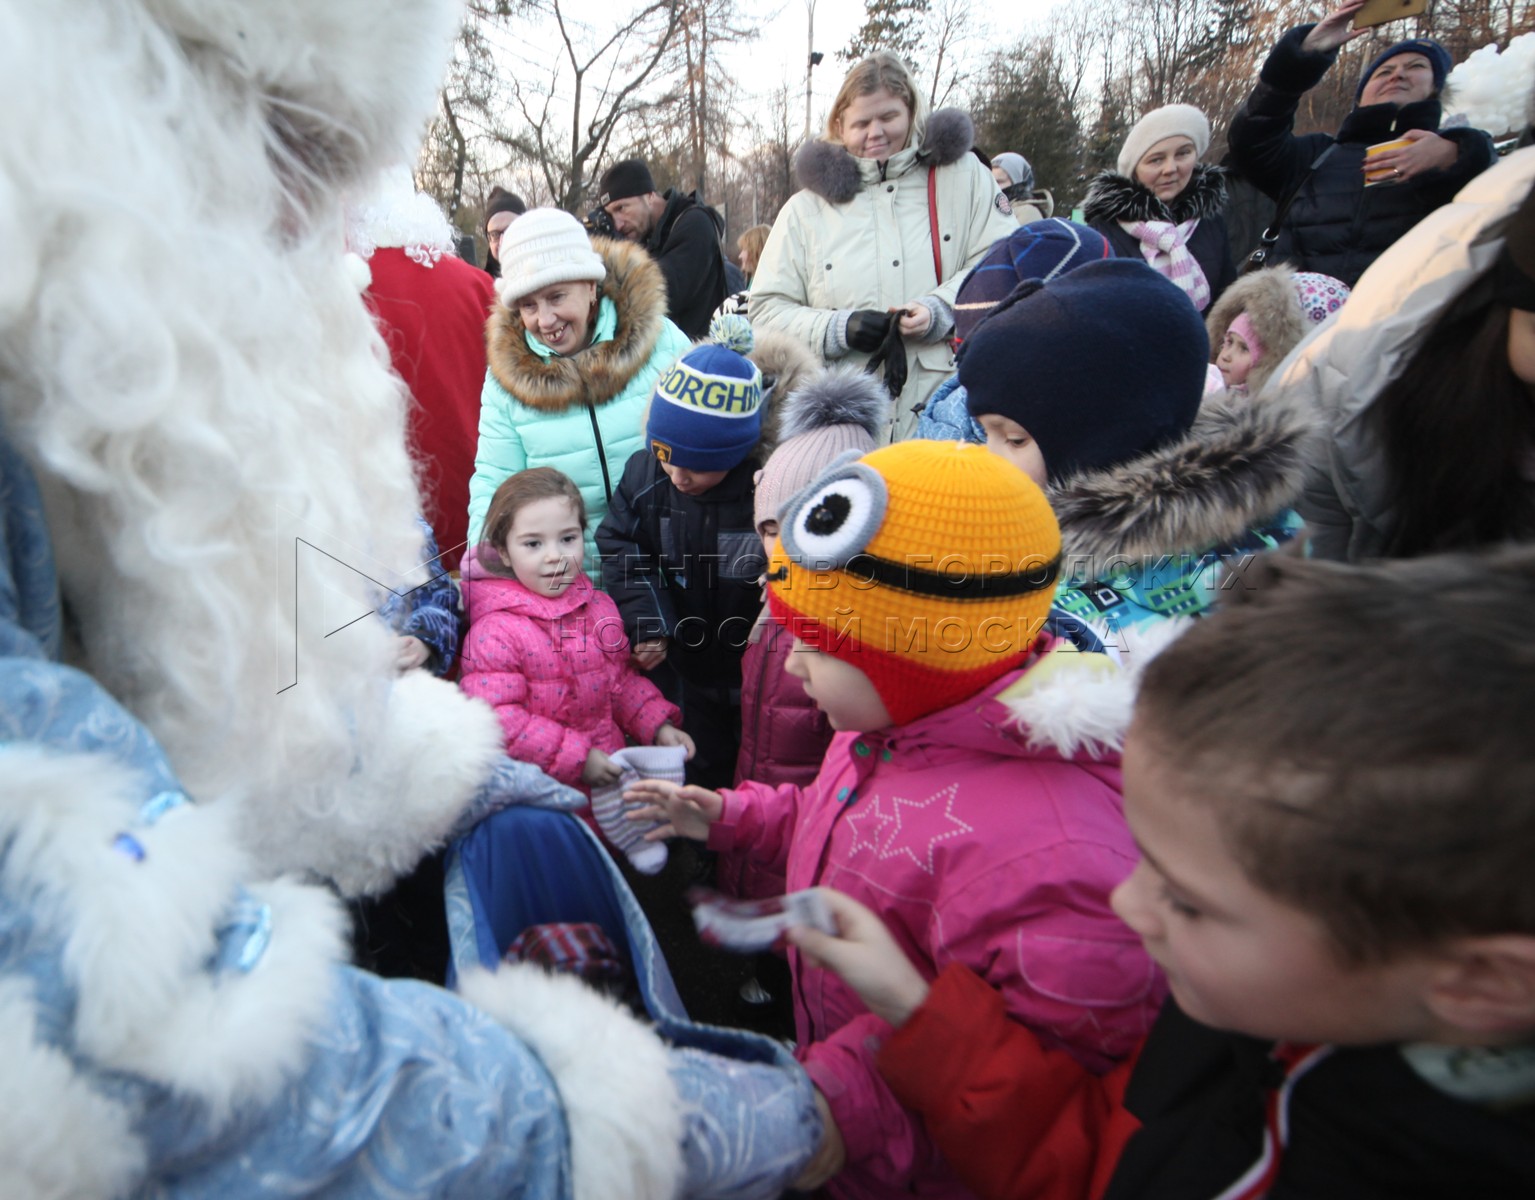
column 1114, row 197
column 1060, row 704
column 637, row 290
column 829, row 171
column 1268, row 298
column 1240, row 463
column 1366, row 124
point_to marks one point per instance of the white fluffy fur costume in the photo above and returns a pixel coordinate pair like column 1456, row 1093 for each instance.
column 189, row 372
column 206, row 403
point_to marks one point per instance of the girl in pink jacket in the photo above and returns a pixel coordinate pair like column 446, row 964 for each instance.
column 547, row 650
column 971, row 795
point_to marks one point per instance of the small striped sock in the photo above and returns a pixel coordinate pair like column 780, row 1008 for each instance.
column 638, row 762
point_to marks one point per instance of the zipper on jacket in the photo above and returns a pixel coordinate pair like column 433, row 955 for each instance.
column 815, row 881
column 602, row 454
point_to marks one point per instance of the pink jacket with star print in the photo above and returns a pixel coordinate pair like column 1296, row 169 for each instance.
column 556, row 670
column 988, row 834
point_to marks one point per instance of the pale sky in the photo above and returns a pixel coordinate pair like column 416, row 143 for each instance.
column 781, row 53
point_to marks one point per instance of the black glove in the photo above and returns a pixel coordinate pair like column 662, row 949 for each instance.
column 866, row 329
column 892, row 356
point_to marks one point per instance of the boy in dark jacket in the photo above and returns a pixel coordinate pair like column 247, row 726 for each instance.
column 1333, row 790
column 679, row 546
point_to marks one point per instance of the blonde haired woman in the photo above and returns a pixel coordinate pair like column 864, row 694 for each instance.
column 750, row 244
column 894, row 212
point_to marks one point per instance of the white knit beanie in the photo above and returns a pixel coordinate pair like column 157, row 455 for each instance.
column 1172, row 120
column 544, row 246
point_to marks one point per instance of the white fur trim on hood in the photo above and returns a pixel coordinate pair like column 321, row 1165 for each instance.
column 621, row 1107
column 1072, row 703
column 429, row 751
column 48, row 1111
column 139, row 932
column 393, row 214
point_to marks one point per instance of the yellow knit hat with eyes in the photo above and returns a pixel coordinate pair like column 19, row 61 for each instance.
column 929, row 566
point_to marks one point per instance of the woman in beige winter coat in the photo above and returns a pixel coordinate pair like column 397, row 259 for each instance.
column 894, row 212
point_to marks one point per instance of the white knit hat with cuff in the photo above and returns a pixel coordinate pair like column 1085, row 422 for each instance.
column 544, row 246
column 1171, row 120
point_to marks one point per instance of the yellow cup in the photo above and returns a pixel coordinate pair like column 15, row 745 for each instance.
column 1381, row 174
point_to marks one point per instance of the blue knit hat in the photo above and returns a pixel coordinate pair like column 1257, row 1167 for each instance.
column 1038, row 250
column 706, row 414
column 1438, row 59
column 1100, row 366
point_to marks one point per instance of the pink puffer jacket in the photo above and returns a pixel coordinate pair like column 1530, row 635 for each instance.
column 989, row 834
column 556, row 671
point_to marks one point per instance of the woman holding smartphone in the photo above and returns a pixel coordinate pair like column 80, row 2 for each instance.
column 1336, row 224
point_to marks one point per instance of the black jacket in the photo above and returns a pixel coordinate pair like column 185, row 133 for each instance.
column 685, row 567
column 1337, row 225
column 1113, row 198
column 1363, row 1126
column 686, row 246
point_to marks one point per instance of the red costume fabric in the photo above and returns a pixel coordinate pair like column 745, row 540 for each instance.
column 433, row 320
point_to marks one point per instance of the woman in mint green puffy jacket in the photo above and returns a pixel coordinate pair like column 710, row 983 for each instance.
column 575, row 346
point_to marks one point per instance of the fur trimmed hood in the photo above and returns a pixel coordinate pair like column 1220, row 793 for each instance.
column 786, row 366
column 829, row 171
column 637, row 290
column 1238, row 465
column 1268, row 298
column 1116, row 197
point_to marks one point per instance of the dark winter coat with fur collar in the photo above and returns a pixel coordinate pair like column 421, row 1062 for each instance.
column 1115, row 202
column 582, row 414
column 1156, row 536
column 1337, row 225
column 859, row 236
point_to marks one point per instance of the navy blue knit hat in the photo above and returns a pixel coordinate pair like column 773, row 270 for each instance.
column 1038, row 250
column 1100, row 366
column 1438, row 59
column 706, row 414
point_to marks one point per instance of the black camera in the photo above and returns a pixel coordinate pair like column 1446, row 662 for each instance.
column 598, row 222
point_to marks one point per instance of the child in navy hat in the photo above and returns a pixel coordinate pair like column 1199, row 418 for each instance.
column 1092, row 385
column 1042, row 250
column 679, row 546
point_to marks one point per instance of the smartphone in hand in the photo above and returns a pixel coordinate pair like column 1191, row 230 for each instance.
column 1378, row 12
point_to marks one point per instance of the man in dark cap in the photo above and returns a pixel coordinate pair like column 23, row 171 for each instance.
column 681, row 234
column 501, row 209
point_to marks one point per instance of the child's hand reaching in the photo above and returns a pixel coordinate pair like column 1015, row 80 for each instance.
column 410, row 653
column 599, row 769
column 684, row 811
column 830, row 1157
column 670, row 735
column 866, row 957
column 649, row 654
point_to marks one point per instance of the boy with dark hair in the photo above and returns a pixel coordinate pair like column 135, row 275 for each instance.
column 1336, row 844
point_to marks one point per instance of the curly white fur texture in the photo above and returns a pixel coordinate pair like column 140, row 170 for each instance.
column 190, row 369
column 624, row 1115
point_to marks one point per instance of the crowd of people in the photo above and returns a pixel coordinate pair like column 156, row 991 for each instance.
column 1129, row 655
